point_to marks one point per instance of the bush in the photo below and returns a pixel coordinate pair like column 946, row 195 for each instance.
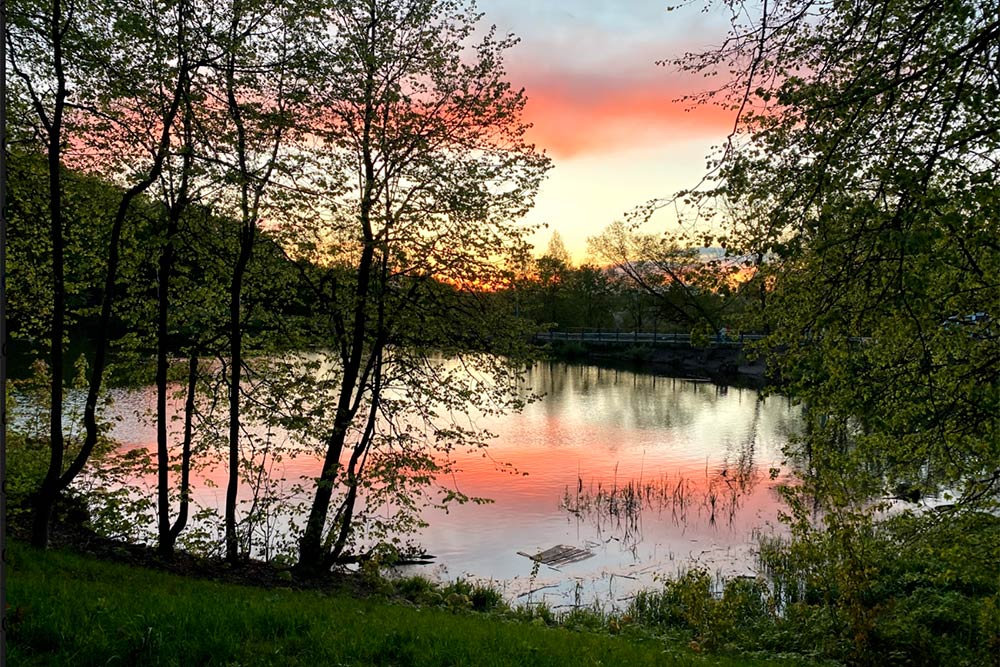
column 911, row 590
column 485, row 598
column 27, row 461
column 682, row 603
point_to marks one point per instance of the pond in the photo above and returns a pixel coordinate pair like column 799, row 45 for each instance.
column 646, row 475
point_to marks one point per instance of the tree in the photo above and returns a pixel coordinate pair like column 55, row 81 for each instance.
column 867, row 143
column 48, row 104
column 176, row 191
column 556, row 250
column 254, row 107
column 552, row 271
column 429, row 137
column 590, row 294
column 98, row 82
column 679, row 284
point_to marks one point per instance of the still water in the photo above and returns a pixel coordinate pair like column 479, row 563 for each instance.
column 651, row 475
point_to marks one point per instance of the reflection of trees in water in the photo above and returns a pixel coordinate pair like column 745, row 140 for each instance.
column 638, row 399
column 717, row 498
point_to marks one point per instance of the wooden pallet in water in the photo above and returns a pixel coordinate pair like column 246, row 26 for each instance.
column 561, row 554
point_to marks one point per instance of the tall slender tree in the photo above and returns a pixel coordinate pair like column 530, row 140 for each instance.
column 422, row 122
column 99, row 101
column 260, row 101
column 177, row 195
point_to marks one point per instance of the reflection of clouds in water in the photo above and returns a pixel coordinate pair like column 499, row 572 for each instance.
column 604, row 429
column 607, row 428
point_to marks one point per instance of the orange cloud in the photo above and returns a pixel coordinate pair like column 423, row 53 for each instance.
column 570, row 122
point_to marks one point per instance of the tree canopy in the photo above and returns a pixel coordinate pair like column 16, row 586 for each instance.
column 351, row 174
column 861, row 180
column 864, row 167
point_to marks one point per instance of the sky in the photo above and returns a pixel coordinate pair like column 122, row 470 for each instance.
column 604, row 111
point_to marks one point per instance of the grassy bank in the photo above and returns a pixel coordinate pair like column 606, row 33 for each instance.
column 66, row 609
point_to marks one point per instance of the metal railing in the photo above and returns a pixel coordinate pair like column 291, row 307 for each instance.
column 619, row 337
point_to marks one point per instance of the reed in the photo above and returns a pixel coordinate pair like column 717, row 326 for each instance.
column 620, row 507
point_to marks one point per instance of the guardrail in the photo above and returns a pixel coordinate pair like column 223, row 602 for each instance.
column 618, row 337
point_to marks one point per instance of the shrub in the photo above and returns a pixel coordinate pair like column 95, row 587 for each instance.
column 684, row 603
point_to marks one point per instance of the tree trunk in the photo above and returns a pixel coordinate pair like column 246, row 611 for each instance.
column 358, row 458
column 311, row 553
column 167, row 535
column 162, row 452
column 312, row 557
column 169, row 539
column 235, row 379
column 46, row 497
column 178, row 205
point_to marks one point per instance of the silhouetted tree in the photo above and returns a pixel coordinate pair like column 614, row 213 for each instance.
column 422, row 120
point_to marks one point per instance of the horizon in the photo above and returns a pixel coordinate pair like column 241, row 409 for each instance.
column 607, row 114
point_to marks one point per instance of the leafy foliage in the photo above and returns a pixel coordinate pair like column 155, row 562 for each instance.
column 862, row 178
column 429, row 135
column 866, row 153
column 300, row 162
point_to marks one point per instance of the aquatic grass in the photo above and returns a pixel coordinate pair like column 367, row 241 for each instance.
column 621, row 507
column 71, row 610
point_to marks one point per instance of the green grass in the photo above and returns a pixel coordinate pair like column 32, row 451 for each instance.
column 71, row 610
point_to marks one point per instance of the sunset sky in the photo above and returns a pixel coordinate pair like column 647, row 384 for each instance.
column 604, row 111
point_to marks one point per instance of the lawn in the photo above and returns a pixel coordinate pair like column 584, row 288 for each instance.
column 68, row 609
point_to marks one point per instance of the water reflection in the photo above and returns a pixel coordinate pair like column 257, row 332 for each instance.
column 618, row 510
column 652, row 474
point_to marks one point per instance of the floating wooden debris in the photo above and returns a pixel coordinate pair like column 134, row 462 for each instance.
column 560, row 554
column 536, row 590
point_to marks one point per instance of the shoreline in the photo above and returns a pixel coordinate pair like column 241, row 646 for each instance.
column 722, row 365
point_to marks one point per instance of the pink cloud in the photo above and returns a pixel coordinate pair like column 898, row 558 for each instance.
column 596, row 117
